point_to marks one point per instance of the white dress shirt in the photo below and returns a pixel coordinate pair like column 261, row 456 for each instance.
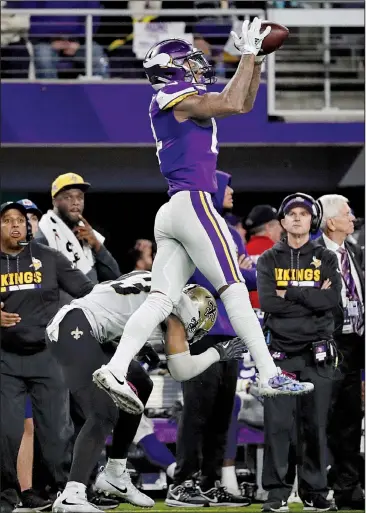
column 333, row 246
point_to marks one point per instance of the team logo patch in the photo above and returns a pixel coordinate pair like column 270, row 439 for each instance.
column 210, row 311
column 36, row 264
column 316, row 262
column 77, row 333
column 192, row 326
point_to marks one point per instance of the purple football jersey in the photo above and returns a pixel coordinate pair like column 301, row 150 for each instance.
column 187, row 152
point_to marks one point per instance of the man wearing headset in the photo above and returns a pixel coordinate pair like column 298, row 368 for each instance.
column 299, row 288
column 31, row 278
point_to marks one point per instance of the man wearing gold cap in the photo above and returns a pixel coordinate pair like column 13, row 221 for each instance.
column 65, row 229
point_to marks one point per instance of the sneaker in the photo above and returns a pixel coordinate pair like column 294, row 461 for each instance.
column 116, row 482
column 120, row 391
column 276, row 506
column 6, row 507
column 282, row 384
column 101, row 502
column 219, row 496
column 318, row 503
column 31, row 501
column 74, row 500
column 185, row 496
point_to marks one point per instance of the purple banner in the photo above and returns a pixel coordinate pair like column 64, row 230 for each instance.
column 118, row 114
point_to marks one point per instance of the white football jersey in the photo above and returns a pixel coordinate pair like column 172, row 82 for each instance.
column 109, row 306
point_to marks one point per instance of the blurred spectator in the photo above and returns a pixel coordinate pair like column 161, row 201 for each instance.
column 61, row 37
column 14, row 52
column 33, row 214
column 264, row 230
column 141, row 255
column 344, row 433
column 237, row 223
column 65, row 229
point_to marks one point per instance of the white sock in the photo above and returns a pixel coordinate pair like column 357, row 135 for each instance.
column 246, row 325
column 75, row 487
column 114, row 465
column 228, row 479
column 139, row 327
column 171, row 469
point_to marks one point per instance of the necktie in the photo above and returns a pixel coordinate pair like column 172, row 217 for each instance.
column 347, row 276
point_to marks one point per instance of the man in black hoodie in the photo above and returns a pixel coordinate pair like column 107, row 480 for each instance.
column 299, row 287
column 31, row 278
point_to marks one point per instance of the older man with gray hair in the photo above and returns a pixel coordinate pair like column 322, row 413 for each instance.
column 344, row 435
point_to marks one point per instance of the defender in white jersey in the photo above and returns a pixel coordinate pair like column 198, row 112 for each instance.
column 83, row 332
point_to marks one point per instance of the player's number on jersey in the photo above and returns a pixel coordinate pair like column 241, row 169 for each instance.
column 131, row 284
column 214, row 141
column 159, row 144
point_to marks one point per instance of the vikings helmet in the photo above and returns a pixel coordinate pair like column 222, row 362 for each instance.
column 176, row 60
column 207, row 310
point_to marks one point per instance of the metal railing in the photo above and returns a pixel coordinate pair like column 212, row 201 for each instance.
column 318, row 72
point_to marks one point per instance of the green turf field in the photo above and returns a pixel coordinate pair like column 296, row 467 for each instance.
column 161, row 507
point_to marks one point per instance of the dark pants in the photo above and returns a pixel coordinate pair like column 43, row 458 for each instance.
column 303, row 419
column 345, row 420
column 15, row 60
column 40, row 377
column 79, row 359
column 203, row 427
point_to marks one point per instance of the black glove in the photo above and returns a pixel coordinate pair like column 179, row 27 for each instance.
column 148, row 355
column 231, row 349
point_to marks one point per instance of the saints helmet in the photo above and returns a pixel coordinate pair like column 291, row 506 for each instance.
column 207, row 310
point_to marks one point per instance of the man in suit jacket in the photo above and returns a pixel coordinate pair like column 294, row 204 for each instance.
column 344, row 435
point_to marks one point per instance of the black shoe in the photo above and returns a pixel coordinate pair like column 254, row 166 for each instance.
column 318, row 503
column 219, row 496
column 279, row 506
column 350, row 500
column 31, row 500
column 185, row 495
column 102, row 502
column 6, row 507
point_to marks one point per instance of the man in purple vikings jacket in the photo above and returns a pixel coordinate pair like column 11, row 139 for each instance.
column 54, row 37
column 189, row 231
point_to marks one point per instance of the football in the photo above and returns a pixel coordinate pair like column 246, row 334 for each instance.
column 275, row 38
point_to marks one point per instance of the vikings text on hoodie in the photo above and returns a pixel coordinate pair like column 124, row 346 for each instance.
column 306, row 314
column 30, row 287
column 223, row 325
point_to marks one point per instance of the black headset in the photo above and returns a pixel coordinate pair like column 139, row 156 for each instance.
column 316, row 214
column 29, row 234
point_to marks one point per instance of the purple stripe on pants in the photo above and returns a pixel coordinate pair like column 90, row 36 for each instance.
column 213, row 231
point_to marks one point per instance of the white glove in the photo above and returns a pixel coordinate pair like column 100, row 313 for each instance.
column 251, row 39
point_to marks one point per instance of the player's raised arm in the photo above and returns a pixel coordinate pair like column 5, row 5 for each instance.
column 232, row 100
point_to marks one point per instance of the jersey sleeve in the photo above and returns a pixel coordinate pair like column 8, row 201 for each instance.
column 174, row 93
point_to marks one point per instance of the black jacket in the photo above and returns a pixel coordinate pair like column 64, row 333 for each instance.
column 105, row 267
column 30, row 286
column 356, row 253
column 305, row 315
